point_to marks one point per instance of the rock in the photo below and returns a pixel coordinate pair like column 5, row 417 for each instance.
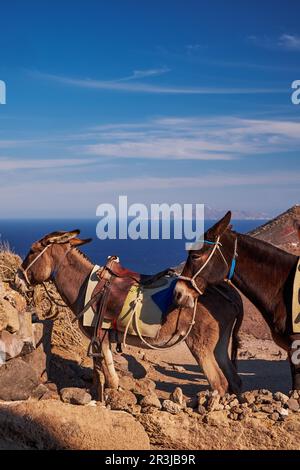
column 40, row 358
column 189, row 432
column 144, row 387
column 26, row 328
column 40, row 391
column 18, row 380
column 201, row 410
column 75, row 396
column 49, row 425
column 202, row 400
column 267, row 409
column 283, row 412
column 119, row 400
column 213, row 401
column 293, row 404
column 216, row 418
column 177, row 396
column 294, row 394
column 171, row 407
column 236, row 409
column 134, row 409
column 16, row 300
column 274, row 416
column 127, row 382
column 11, row 345
column 10, row 316
column 234, row 402
column 179, row 368
column 233, row 416
column 51, row 395
column 3, row 320
column 281, row 397
column 150, row 400
column 249, row 397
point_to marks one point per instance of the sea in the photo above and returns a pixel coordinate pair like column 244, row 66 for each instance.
column 145, row 256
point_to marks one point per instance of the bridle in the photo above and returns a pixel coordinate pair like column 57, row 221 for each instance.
column 216, row 248
column 54, row 273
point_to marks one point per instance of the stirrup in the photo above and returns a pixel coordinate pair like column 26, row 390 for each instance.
column 91, row 353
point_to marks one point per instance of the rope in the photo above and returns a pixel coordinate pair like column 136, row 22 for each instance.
column 160, row 348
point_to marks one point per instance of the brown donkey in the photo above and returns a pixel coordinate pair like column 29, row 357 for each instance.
column 218, row 317
column 263, row 273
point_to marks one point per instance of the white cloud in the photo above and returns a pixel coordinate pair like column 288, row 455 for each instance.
column 285, row 41
column 145, row 73
column 138, row 87
column 9, row 164
column 173, row 138
column 289, row 41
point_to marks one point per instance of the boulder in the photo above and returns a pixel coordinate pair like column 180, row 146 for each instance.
column 144, row 387
column 40, row 358
column 150, row 401
column 293, row 404
column 9, row 317
column 177, row 396
column 18, row 380
column 127, row 382
column 54, row 425
column 75, row 396
column 119, row 399
column 11, row 345
column 281, row 397
column 40, row 392
column 171, row 407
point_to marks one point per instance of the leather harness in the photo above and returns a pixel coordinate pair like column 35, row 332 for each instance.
column 109, row 295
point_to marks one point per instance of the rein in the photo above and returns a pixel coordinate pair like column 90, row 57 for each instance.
column 216, row 247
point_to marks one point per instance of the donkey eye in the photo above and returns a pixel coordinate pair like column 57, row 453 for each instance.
column 195, row 256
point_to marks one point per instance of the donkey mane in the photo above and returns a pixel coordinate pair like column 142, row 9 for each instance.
column 83, row 255
column 265, row 252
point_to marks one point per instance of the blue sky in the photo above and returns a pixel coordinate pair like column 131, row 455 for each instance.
column 174, row 101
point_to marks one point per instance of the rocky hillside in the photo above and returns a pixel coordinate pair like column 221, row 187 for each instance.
column 282, row 231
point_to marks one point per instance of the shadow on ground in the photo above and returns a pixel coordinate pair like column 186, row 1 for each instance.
column 255, row 374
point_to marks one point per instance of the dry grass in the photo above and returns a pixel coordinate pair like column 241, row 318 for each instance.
column 66, row 335
column 9, row 262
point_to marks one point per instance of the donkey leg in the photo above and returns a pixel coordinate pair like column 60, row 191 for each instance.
column 208, row 364
column 226, row 364
column 99, row 378
column 111, row 376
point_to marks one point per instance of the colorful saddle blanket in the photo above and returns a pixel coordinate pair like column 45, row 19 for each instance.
column 296, row 300
column 147, row 305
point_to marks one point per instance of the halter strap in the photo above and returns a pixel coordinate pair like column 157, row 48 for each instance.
column 55, row 271
column 33, row 262
column 217, row 244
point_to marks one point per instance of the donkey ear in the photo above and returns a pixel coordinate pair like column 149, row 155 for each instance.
column 219, row 228
column 78, row 242
column 62, row 237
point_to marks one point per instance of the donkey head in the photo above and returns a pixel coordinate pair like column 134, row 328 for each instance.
column 45, row 257
column 208, row 265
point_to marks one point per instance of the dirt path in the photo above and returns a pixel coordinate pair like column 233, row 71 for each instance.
column 261, row 364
